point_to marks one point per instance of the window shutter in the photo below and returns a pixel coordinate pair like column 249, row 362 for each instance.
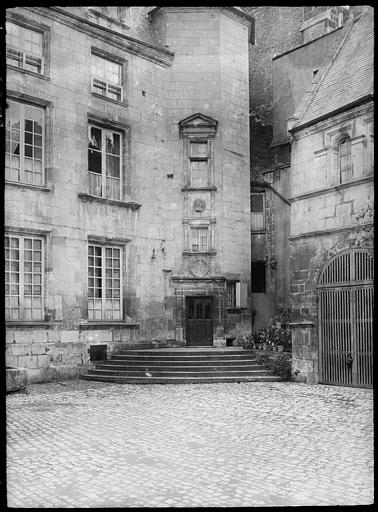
column 241, row 295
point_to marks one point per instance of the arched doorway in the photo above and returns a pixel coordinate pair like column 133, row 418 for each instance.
column 345, row 311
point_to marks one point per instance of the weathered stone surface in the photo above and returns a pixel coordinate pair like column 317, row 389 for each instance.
column 16, row 379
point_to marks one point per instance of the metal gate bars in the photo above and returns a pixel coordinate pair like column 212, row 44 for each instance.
column 346, row 319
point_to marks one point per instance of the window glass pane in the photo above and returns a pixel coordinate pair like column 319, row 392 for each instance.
column 198, row 149
column 257, row 203
column 112, row 142
column 198, row 173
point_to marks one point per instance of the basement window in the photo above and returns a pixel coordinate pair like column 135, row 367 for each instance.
column 98, row 352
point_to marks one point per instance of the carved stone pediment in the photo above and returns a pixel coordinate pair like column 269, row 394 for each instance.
column 198, row 125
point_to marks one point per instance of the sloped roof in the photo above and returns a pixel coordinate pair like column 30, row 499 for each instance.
column 350, row 74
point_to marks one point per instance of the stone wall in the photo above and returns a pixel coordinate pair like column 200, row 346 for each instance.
column 161, row 89
column 323, row 218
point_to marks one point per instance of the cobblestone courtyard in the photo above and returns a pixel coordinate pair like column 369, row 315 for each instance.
column 91, row 444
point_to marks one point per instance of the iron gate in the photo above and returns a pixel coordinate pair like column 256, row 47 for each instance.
column 346, row 319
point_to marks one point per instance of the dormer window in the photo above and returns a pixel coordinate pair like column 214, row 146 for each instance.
column 345, row 159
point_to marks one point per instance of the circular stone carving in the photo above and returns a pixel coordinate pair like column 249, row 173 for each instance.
column 199, row 205
column 198, row 268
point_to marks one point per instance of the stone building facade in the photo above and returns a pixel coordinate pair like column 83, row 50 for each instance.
column 127, row 217
column 332, row 198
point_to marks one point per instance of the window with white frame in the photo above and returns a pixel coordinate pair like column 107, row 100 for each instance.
column 199, row 239
column 199, row 164
column 23, row 277
column 257, row 211
column 104, row 162
column 345, row 159
column 106, row 77
column 104, row 282
column 24, row 48
column 24, row 150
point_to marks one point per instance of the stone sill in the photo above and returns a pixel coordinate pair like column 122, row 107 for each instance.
column 26, row 324
column 19, row 184
column 107, row 325
column 198, row 189
column 205, row 253
column 122, row 204
column 28, row 72
column 116, row 102
column 304, row 323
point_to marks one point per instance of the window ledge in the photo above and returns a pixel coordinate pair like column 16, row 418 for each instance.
column 116, row 102
column 199, row 253
column 123, row 204
column 258, row 231
column 26, row 323
column 190, row 189
column 28, row 72
column 104, row 324
column 235, row 309
column 18, row 184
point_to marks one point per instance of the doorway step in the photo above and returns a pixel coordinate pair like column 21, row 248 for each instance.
column 180, row 366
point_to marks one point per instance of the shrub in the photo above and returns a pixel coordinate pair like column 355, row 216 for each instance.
column 279, row 365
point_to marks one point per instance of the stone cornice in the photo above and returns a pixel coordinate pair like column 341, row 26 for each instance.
column 125, row 42
column 328, row 190
column 232, row 11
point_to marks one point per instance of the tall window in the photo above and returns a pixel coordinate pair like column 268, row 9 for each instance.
column 24, row 48
column 107, row 77
column 23, row 278
column 231, row 294
column 199, row 163
column 257, row 211
column 258, row 281
column 345, row 159
column 104, row 282
column 24, row 143
column 199, row 239
column 104, row 162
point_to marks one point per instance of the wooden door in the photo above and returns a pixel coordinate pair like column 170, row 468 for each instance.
column 346, row 320
column 199, row 321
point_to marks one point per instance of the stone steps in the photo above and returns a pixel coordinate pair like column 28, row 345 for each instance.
column 184, row 365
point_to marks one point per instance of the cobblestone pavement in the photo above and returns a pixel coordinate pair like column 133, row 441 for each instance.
column 91, row 444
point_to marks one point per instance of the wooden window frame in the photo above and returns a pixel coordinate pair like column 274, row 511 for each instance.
column 22, row 181
column 104, row 279
column 258, row 221
column 103, row 174
column 22, row 284
column 96, row 52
